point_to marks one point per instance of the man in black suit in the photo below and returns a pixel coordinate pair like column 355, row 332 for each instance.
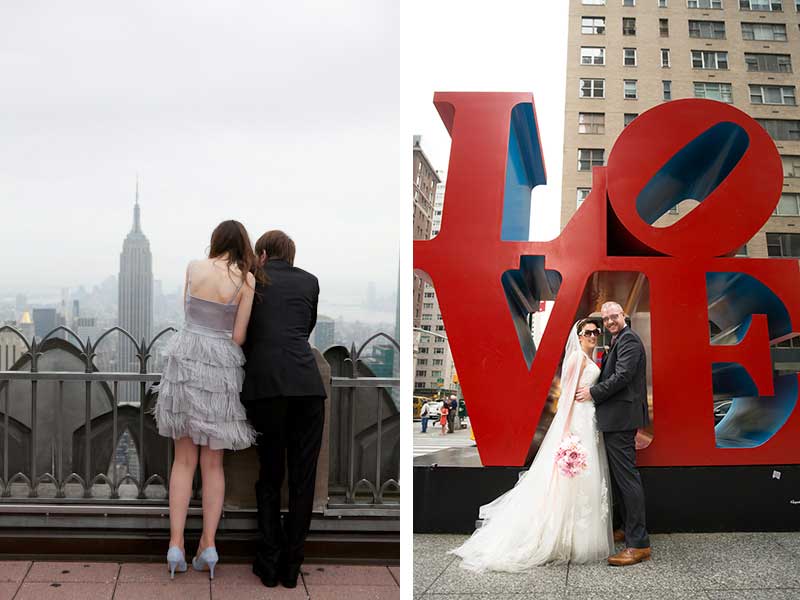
column 620, row 398
column 285, row 400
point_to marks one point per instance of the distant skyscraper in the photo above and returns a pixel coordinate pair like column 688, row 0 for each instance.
column 135, row 297
column 44, row 321
column 425, row 181
column 324, row 333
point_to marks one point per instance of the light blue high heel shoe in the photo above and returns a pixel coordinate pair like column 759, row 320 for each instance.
column 176, row 561
column 208, row 558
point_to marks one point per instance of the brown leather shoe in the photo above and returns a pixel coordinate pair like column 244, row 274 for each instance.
column 619, row 536
column 629, row 556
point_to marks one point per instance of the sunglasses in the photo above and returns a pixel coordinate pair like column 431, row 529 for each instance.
column 588, row 332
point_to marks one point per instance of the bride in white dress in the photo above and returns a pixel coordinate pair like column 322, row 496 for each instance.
column 548, row 517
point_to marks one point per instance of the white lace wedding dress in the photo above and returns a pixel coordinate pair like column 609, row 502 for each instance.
column 548, row 517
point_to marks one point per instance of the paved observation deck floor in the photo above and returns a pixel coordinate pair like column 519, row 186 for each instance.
column 39, row 580
column 685, row 566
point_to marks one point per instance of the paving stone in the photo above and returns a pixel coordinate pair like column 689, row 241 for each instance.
column 159, row 573
column 489, row 596
column 13, row 570
column 666, row 594
column 787, row 594
column 539, row 580
column 395, row 571
column 8, row 589
column 353, row 592
column 234, row 574
column 431, row 557
column 731, row 561
column 66, row 572
column 347, row 575
column 163, row 591
column 259, row 592
column 65, row 591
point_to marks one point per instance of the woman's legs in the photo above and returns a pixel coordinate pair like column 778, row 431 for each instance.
column 180, row 488
column 213, row 494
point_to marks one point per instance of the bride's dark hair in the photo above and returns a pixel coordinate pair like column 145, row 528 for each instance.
column 584, row 322
column 231, row 237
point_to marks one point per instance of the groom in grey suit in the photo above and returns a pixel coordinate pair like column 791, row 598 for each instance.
column 620, row 398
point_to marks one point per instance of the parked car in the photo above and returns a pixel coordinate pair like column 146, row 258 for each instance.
column 434, row 411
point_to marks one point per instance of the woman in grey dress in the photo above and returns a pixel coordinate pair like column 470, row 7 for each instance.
column 198, row 402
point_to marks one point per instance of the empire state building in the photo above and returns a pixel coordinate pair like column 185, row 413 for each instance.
column 135, row 298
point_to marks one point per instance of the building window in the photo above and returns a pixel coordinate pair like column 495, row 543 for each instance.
column 788, row 206
column 438, row 362
column 629, row 89
column 781, row 129
column 791, row 166
column 667, row 88
column 419, row 384
column 663, row 27
column 713, row 91
column 665, row 59
column 593, row 88
column 628, row 26
column 662, row 3
column 761, row 5
column 422, row 362
column 628, row 118
column 438, row 350
column 440, row 328
column 593, row 56
column 773, row 94
column 629, row 57
column 421, row 373
column 769, row 32
column 436, row 373
column 582, row 194
column 423, row 350
column 590, row 157
column 591, row 122
column 702, row 59
column 430, row 294
column 427, row 305
column 712, row 30
column 783, row 244
column 768, row 63
column 705, row 3
column 593, row 25
column 628, row 2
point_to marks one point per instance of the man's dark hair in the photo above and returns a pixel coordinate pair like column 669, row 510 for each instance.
column 277, row 245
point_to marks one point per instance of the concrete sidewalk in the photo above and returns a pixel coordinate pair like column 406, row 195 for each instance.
column 26, row 580
column 685, row 566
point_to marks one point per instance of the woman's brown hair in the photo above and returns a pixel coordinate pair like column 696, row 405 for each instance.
column 231, row 237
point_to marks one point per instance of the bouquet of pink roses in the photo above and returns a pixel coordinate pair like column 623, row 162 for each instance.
column 571, row 456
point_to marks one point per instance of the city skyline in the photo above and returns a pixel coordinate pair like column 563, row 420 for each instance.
column 224, row 121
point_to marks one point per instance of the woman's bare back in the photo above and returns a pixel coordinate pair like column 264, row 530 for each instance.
column 211, row 279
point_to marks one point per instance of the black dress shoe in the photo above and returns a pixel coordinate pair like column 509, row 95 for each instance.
column 268, row 576
column 289, row 576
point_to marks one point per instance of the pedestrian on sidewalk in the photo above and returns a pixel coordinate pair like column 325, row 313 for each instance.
column 443, row 419
column 451, row 415
column 424, row 415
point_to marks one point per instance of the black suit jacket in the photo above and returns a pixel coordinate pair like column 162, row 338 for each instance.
column 279, row 357
column 620, row 396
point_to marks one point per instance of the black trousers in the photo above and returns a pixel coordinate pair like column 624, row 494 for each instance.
column 291, row 434
column 626, row 487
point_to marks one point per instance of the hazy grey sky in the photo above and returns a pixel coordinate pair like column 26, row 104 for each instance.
column 508, row 46
column 278, row 114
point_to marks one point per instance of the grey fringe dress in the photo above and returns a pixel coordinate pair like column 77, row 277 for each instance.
column 199, row 391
